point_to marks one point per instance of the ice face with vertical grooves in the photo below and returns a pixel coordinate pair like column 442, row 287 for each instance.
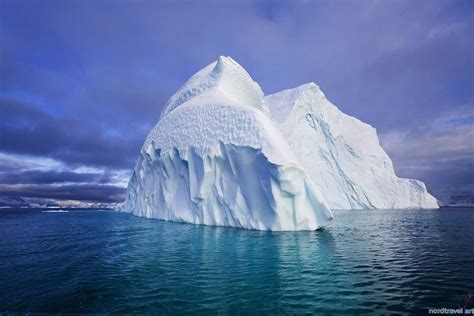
column 215, row 157
column 230, row 186
column 342, row 154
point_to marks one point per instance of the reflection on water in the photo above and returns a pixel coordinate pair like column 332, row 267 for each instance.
column 364, row 261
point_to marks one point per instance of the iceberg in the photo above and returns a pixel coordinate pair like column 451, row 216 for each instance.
column 224, row 154
column 342, row 154
column 216, row 157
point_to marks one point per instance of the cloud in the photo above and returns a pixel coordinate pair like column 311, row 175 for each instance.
column 441, row 152
column 32, row 131
column 48, row 157
column 82, row 83
column 82, row 192
column 47, row 179
column 50, row 177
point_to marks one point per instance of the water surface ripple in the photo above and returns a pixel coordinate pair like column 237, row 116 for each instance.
column 380, row 262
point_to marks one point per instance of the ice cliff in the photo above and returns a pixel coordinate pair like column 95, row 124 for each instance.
column 215, row 157
column 342, row 154
column 223, row 154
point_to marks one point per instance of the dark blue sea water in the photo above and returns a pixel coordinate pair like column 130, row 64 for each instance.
column 363, row 262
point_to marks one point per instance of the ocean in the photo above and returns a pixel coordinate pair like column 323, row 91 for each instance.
column 101, row 261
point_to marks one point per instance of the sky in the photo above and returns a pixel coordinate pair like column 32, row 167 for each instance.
column 83, row 82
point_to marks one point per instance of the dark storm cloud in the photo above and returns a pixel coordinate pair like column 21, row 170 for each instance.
column 83, row 82
column 83, row 192
column 439, row 152
column 50, row 176
column 31, row 131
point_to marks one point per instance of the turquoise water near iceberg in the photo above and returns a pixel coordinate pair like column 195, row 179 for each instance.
column 383, row 261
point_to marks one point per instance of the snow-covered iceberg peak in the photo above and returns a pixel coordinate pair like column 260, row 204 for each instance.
column 215, row 157
column 224, row 78
column 342, row 154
